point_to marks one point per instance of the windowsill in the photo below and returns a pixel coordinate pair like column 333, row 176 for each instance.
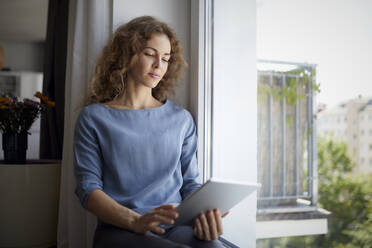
column 314, row 213
column 291, row 221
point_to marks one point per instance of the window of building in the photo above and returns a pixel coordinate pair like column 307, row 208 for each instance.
column 362, row 160
column 370, row 161
column 362, row 132
column 370, row 132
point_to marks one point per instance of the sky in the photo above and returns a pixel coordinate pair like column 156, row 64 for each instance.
column 334, row 34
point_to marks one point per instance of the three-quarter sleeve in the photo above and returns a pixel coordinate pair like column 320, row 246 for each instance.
column 87, row 158
column 189, row 163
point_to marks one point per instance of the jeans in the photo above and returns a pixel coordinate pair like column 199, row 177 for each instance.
column 174, row 237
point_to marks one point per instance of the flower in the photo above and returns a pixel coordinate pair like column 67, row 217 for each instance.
column 45, row 99
column 4, row 101
column 18, row 116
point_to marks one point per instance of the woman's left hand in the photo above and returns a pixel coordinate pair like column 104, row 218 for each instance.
column 208, row 226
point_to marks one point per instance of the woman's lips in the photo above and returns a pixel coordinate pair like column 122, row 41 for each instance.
column 153, row 75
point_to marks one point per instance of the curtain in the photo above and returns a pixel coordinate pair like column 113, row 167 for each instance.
column 89, row 27
column 51, row 132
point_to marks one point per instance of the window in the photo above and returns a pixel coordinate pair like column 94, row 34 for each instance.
column 234, row 123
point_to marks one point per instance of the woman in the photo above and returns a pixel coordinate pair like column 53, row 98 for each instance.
column 135, row 150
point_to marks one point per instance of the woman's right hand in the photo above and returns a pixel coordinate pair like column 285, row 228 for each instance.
column 164, row 214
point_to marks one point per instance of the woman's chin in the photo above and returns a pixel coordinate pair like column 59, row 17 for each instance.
column 154, row 85
column 151, row 84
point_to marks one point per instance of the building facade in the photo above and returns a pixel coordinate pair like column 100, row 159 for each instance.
column 351, row 122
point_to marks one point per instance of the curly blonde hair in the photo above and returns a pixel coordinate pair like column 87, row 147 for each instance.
column 108, row 81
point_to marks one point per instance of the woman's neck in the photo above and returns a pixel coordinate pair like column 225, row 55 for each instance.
column 135, row 99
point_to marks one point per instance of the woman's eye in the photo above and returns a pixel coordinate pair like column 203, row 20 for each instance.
column 166, row 60
column 149, row 54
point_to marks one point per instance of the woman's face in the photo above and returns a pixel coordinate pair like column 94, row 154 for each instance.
column 151, row 64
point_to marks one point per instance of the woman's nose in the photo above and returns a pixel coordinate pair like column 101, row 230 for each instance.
column 157, row 62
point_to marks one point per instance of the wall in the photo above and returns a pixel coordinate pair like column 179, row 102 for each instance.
column 24, row 55
column 23, row 20
column 176, row 14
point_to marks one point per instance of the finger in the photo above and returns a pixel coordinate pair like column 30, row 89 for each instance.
column 212, row 225
column 167, row 207
column 205, row 227
column 156, row 229
column 167, row 213
column 199, row 229
column 155, row 217
column 218, row 221
column 225, row 214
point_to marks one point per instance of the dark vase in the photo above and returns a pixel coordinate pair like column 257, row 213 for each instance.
column 15, row 147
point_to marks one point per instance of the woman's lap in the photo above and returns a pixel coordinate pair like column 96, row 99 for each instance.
column 185, row 235
column 177, row 237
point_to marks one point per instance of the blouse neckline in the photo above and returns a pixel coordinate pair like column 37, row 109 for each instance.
column 166, row 101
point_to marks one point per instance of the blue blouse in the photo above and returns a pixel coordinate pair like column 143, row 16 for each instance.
column 141, row 158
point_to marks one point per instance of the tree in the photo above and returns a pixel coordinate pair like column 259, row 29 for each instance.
column 345, row 196
column 348, row 198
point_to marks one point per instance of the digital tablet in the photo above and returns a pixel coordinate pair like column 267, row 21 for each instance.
column 215, row 193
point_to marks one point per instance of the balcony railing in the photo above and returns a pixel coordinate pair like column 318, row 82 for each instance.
column 287, row 152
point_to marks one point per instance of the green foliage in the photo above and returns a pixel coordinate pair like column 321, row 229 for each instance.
column 349, row 198
column 290, row 90
column 361, row 235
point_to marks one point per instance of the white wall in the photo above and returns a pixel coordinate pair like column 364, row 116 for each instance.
column 176, row 14
column 235, row 109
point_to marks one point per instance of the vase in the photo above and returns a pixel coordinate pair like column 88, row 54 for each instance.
column 15, row 147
